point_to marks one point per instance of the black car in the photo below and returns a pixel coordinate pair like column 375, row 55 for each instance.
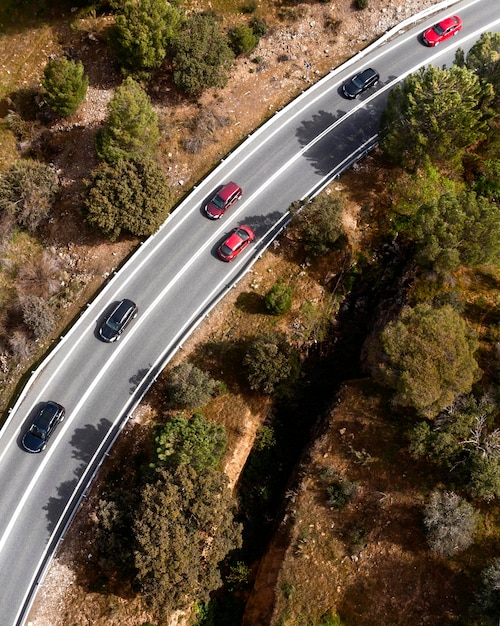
column 47, row 418
column 119, row 319
column 357, row 84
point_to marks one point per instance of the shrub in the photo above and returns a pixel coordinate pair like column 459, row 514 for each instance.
column 132, row 129
column 243, row 39
column 189, row 387
column 278, row 299
column 27, row 192
column 270, row 362
column 131, row 195
column 193, row 441
column 361, row 4
column 450, row 522
column 38, row 316
column 65, row 84
column 320, row 224
column 258, row 25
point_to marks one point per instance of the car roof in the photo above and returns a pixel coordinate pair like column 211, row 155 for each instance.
column 47, row 414
column 449, row 21
column 228, row 190
column 124, row 306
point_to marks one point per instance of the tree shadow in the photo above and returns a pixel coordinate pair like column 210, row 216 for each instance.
column 87, row 439
column 250, row 302
column 56, row 505
column 138, row 378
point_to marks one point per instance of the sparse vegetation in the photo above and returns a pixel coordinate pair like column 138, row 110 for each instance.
column 450, row 522
column 27, row 192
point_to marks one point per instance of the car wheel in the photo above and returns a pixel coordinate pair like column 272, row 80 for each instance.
column 436, row 44
column 43, row 447
column 61, row 419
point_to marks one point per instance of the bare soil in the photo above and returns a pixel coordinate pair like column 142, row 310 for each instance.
column 322, row 34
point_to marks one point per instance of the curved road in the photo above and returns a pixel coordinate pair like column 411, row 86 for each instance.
column 176, row 278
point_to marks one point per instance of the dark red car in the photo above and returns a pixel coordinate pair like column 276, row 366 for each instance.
column 237, row 241
column 442, row 31
column 222, row 200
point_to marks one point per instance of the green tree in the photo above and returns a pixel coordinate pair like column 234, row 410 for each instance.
column 131, row 195
column 320, row 224
column 189, row 387
column 278, row 300
column 195, row 441
column 143, row 31
column 243, row 39
column 457, row 229
column 270, row 362
column 65, row 85
column 427, row 358
column 425, row 185
column 27, row 192
column 484, row 58
column 201, row 55
column 464, row 437
column 132, row 126
column 450, row 522
column 183, row 529
column 437, row 114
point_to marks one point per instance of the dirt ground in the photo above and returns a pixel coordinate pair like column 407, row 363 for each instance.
column 324, row 34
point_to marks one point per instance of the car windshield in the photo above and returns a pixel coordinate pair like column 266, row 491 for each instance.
column 438, row 29
column 218, row 202
column 37, row 432
column 225, row 250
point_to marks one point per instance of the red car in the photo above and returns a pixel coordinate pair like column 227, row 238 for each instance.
column 222, row 200
column 442, row 31
column 237, row 241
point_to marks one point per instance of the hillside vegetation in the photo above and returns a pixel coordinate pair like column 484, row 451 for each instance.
column 359, row 361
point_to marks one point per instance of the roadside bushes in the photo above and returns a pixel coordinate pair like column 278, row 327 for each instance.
column 278, row 299
column 131, row 195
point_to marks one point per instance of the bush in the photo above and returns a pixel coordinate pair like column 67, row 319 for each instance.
column 270, row 362
column 189, row 387
column 243, row 39
column 450, row 522
column 278, row 299
column 132, row 129
column 488, row 600
column 27, row 192
column 131, row 195
column 201, row 56
column 361, row 4
column 65, row 84
column 38, row 316
column 258, row 25
column 193, row 441
column 320, row 224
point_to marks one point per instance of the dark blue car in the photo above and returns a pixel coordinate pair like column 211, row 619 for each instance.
column 47, row 418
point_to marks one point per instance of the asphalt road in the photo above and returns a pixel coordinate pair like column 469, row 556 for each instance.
column 176, row 278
